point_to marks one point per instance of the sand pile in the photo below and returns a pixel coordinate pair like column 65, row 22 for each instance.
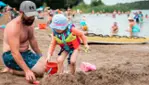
column 63, row 79
column 126, row 74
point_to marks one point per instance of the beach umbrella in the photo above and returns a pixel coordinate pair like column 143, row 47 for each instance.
column 2, row 4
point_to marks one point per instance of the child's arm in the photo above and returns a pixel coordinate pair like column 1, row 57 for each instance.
column 52, row 45
column 80, row 34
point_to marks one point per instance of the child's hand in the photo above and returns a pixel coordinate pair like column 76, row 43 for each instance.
column 86, row 48
column 48, row 57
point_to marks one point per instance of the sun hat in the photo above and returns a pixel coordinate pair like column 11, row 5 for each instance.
column 130, row 18
column 59, row 22
column 28, row 8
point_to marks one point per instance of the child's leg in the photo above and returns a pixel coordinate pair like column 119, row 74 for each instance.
column 73, row 61
column 60, row 61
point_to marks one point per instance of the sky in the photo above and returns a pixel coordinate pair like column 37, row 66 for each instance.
column 112, row 2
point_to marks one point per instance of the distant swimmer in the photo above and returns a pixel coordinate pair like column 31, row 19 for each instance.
column 146, row 16
column 114, row 29
column 83, row 24
column 140, row 17
column 114, row 14
column 136, row 17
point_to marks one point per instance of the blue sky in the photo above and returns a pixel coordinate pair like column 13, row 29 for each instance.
column 112, row 2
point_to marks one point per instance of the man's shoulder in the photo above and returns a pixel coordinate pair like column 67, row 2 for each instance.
column 12, row 26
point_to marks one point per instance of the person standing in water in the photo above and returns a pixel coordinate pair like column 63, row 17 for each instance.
column 83, row 24
column 140, row 17
column 128, row 13
column 114, row 29
column 114, row 14
column 133, row 28
column 137, row 17
column 146, row 16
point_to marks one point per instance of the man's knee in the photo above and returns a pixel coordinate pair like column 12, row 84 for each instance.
column 40, row 66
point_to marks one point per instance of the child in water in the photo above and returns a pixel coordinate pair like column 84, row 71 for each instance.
column 140, row 16
column 133, row 27
column 114, row 29
column 146, row 16
column 83, row 24
column 68, row 38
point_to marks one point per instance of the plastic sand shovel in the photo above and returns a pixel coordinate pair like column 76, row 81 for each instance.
column 36, row 82
column 85, row 50
column 86, row 67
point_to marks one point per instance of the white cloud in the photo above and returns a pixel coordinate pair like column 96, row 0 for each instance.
column 87, row 1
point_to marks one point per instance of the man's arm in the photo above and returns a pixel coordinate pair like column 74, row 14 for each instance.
column 33, row 42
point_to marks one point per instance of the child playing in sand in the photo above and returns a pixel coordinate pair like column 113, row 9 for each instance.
column 114, row 30
column 68, row 38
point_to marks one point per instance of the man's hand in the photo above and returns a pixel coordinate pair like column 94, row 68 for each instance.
column 29, row 75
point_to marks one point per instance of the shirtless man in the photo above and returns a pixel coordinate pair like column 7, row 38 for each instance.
column 18, row 35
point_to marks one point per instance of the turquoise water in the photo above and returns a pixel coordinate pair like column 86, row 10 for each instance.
column 101, row 24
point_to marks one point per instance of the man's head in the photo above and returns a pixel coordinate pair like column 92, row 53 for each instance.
column 115, row 23
column 28, row 10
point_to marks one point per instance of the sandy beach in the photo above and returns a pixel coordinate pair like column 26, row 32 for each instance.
column 116, row 65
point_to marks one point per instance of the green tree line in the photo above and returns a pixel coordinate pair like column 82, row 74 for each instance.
column 54, row 4
column 97, row 6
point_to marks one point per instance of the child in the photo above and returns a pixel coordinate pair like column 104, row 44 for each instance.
column 136, row 17
column 133, row 28
column 83, row 24
column 140, row 17
column 114, row 29
column 68, row 38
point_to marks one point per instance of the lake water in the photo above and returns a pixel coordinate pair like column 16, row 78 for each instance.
column 101, row 24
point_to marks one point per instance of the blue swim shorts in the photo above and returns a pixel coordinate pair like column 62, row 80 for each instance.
column 29, row 57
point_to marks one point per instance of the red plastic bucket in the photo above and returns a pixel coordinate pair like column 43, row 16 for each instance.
column 42, row 26
column 51, row 68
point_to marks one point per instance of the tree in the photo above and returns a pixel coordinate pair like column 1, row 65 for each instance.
column 54, row 4
column 96, row 3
